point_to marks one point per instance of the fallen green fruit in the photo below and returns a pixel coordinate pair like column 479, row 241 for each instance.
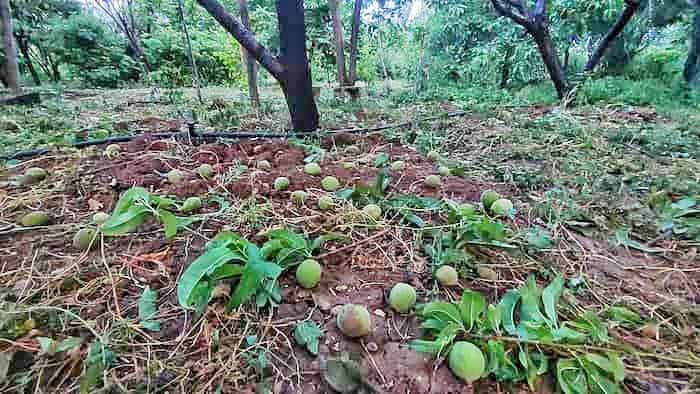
column 447, row 276
column 100, row 217
column 502, row 207
column 205, row 170
column 325, row 203
column 354, row 320
column 34, row 219
column 312, row 169
column 176, row 176
column 308, row 273
column 299, row 197
column 444, row 171
column 466, row 209
column 330, row 184
column 34, row 175
column 373, row 211
column 433, row 155
column 348, row 165
column 191, row 204
column 112, row 151
column 84, row 239
column 281, row 183
column 466, row 361
column 488, row 197
column 402, row 297
column 433, row 181
column 397, row 166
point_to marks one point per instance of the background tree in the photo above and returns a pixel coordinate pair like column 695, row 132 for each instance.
column 121, row 12
column 11, row 65
column 251, row 67
column 339, row 41
column 291, row 69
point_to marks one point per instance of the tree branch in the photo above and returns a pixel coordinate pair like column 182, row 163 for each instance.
column 507, row 12
column 245, row 37
column 631, row 7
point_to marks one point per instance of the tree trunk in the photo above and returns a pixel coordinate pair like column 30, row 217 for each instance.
column 292, row 69
column 551, row 60
column 334, row 9
column 354, row 39
column 249, row 61
column 190, row 55
column 631, row 7
column 11, row 64
column 505, row 69
column 297, row 84
column 692, row 64
column 22, row 39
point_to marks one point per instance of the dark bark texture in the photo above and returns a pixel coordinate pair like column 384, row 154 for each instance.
column 22, row 39
column 692, row 64
column 11, row 66
column 354, row 42
column 339, row 41
column 631, row 7
column 251, row 67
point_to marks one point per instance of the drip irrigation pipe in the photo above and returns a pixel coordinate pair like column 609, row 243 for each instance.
column 192, row 135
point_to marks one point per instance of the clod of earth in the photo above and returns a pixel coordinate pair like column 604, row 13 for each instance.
column 397, row 165
column 444, row 171
column 112, row 151
column 348, row 165
column 312, row 169
column 205, row 171
column 191, row 204
column 34, row 219
column 100, row 217
column 264, row 165
column 84, row 239
column 299, row 197
column 354, row 320
column 488, row 197
column 466, row 361
column 308, row 273
column 373, row 211
column 175, row 176
column 433, row 181
column 281, row 183
column 433, row 155
column 402, row 297
column 447, row 276
column 502, row 207
column 34, row 175
column 330, row 184
column 325, row 203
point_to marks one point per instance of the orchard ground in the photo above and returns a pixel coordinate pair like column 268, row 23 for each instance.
column 606, row 195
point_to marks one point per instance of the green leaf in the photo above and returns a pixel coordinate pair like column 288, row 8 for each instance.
column 201, row 267
column 507, row 306
column 550, row 298
column 538, row 238
column 169, row 222
column 500, row 364
column 611, row 364
column 441, row 343
column 307, row 334
column 571, row 377
column 622, row 239
column 148, row 309
column 597, row 381
column 126, row 222
column 226, row 271
column 91, row 378
column 494, row 318
column 289, row 238
column 5, row 361
column 252, row 277
column 471, row 306
column 530, row 301
column 342, row 374
column 51, row 347
column 381, row 159
column 623, row 315
column 443, row 311
column 592, row 325
column 322, row 239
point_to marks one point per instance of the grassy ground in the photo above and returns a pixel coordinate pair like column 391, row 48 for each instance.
column 605, row 195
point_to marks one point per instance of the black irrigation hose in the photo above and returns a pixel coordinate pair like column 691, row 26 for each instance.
column 191, row 134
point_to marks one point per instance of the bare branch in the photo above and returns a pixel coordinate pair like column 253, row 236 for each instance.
column 631, row 7
column 508, row 12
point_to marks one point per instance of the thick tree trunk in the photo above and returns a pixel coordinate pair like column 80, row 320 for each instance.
column 334, row 9
column 297, row 85
column 190, row 55
column 292, row 69
column 551, row 60
column 251, row 67
column 505, row 68
column 23, row 43
column 631, row 7
column 692, row 64
column 11, row 64
column 354, row 40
